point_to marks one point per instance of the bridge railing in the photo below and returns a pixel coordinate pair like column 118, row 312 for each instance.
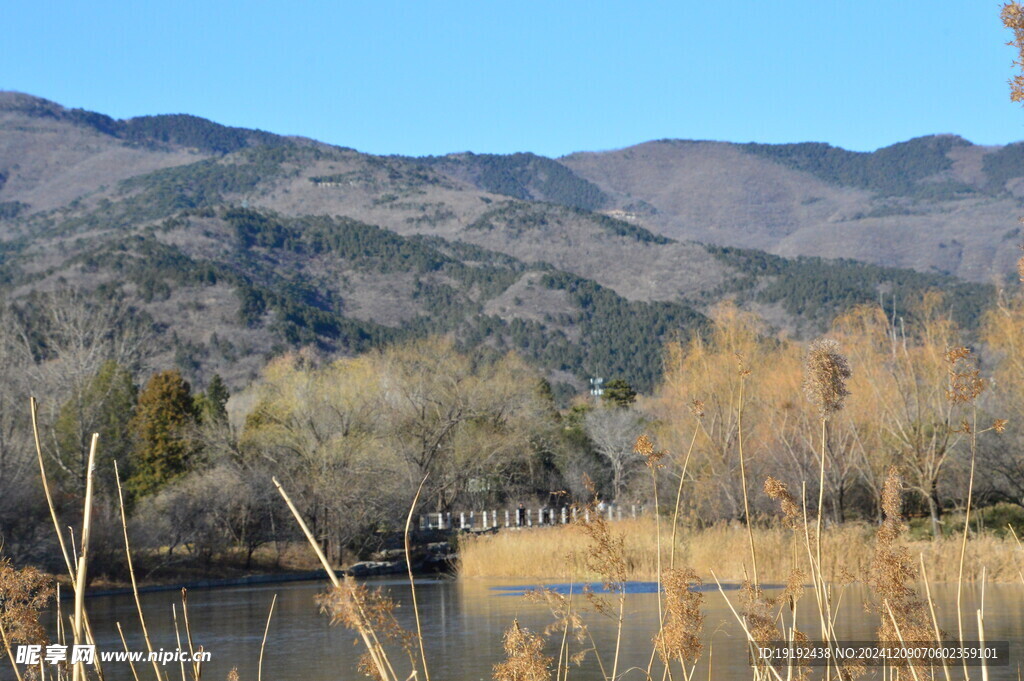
column 511, row 518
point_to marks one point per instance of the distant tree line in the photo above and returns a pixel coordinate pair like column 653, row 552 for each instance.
column 895, row 170
column 352, row 437
column 819, row 289
column 524, row 176
column 178, row 129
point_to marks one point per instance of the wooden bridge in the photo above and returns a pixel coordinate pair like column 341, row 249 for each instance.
column 519, row 518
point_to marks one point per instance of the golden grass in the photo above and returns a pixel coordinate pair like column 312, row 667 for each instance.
column 557, row 553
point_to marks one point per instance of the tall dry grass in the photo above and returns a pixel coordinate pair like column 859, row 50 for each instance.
column 559, row 553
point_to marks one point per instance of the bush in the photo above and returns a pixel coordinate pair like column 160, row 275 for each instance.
column 999, row 517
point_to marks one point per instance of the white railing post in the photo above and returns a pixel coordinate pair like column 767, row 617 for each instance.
column 506, row 517
column 563, row 515
column 462, row 520
column 529, row 517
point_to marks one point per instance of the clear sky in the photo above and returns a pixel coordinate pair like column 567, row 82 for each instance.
column 552, row 76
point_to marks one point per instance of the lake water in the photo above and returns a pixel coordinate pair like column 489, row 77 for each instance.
column 463, row 625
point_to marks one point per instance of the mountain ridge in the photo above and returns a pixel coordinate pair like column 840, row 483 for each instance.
column 584, row 264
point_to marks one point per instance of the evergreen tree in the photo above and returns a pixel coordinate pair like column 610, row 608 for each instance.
column 163, row 446
column 105, row 405
column 619, row 393
column 212, row 405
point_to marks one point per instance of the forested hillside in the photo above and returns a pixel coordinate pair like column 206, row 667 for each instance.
column 522, row 176
column 934, row 204
column 238, row 245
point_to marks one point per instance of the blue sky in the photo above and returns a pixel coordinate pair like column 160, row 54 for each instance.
column 552, row 77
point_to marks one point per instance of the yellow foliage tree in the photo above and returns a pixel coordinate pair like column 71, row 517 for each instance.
column 903, row 413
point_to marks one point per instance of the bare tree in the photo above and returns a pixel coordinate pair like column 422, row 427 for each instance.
column 18, row 470
column 69, row 340
column 456, row 420
column 614, row 432
column 314, row 429
column 904, row 373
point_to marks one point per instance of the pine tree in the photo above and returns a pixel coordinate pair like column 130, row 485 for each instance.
column 212, row 405
column 163, row 445
column 105, row 406
column 619, row 393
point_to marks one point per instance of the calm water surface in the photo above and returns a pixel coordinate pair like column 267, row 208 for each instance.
column 463, row 625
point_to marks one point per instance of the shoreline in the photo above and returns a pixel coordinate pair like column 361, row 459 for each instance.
column 439, row 564
column 265, row 578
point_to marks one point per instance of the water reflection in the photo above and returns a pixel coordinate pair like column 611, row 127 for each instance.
column 566, row 589
column 463, row 622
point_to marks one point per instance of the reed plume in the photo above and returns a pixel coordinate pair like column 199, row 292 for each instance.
column 357, row 607
column 904, row 614
column 645, row 448
column 524, row 656
column 566, row 619
column 825, row 374
column 965, row 382
column 24, row 594
column 791, row 515
column 1012, row 15
column 605, row 554
column 757, row 610
column 679, row 638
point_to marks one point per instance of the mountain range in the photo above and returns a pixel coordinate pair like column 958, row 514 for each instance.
column 239, row 244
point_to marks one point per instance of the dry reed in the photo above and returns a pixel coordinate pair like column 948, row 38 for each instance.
column 680, row 636
column 905, row 616
column 825, row 374
column 567, row 620
column 1013, row 18
column 24, row 594
column 847, row 548
column 525, row 658
column 603, row 553
column 365, row 612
